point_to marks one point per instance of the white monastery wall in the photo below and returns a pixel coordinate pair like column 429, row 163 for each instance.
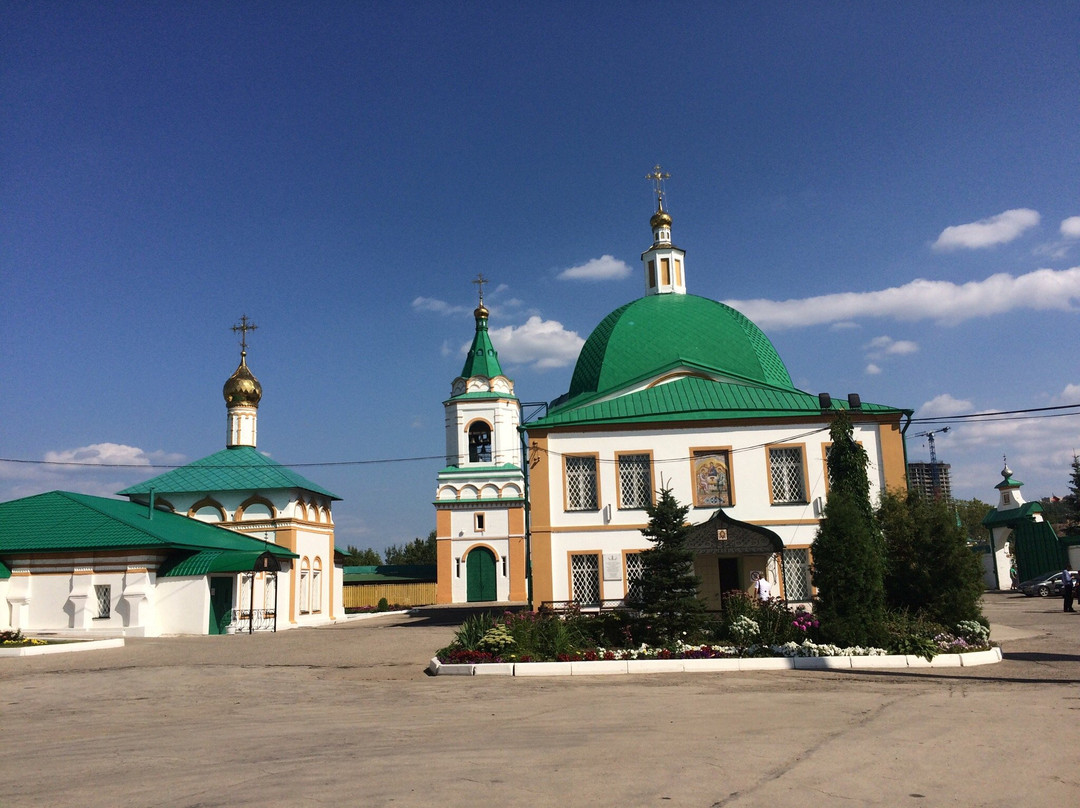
column 671, row 451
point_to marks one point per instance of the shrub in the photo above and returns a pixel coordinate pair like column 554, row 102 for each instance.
column 384, row 605
column 908, row 633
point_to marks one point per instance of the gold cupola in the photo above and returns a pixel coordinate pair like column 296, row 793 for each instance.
column 664, row 263
column 242, row 389
column 242, row 393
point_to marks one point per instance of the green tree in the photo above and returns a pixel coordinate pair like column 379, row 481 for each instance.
column 418, row 551
column 361, row 558
column 1072, row 500
column 668, row 590
column 929, row 568
column 970, row 513
column 848, row 553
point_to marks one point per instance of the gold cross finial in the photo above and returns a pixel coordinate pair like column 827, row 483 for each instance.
column 480, row 281
column 658, row 175
column 243, row 327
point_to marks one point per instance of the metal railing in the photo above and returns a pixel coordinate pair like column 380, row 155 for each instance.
column 574, row 606
column 245, row 621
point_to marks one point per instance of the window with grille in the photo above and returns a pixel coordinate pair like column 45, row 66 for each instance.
column 581, row 494
column 103, row 594
column 796, row 574
column 585, row 571
column 712, row 478
column 786, row 467
column 635, row 481
column 635, row 571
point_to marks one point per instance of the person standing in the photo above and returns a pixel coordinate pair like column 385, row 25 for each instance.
column 762, row 588
column 1067, row 585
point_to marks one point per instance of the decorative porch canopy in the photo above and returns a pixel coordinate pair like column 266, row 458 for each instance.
column 722, row 535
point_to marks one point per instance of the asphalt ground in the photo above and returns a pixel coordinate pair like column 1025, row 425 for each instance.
column 346, row 715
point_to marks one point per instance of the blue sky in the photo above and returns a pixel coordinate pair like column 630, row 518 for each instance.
column 892, row 191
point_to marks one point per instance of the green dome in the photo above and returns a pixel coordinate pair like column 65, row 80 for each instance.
column 658, row 333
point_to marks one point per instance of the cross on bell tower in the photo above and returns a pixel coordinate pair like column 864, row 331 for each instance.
column 664, row 263
column 243, row 327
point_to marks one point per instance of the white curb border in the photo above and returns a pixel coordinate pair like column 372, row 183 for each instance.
column 619, row 666
column 68, row 647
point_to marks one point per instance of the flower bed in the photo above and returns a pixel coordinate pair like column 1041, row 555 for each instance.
column 747, row 630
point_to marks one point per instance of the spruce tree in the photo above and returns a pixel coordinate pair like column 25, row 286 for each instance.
column 1072, row 500
column 668, row 591
column 848, row 552
column 929, row 568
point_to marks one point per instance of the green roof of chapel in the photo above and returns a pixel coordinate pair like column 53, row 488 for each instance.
column 692, row 398
column 61, row 521
column 240, row 468
column 653, row 333
column 483, row 359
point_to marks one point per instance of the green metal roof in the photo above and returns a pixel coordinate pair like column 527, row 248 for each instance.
column 693, row 398
column 389, row 573
column 207, row 561
column 483, row 360
column 240, row 468
column 501, row 470
column 61, row 521
column 4, row 571
column 657, row 332
column 1012, row 517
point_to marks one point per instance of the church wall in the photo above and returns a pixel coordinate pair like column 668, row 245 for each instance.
column 183, row 605
column 609, row 529
column 459, row 551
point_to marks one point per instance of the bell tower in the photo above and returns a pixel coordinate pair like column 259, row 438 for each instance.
column 480, row 494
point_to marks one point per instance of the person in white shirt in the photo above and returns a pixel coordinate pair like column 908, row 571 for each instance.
column 762, row 588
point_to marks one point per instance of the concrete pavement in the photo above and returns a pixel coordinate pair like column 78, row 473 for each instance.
column 345, row 715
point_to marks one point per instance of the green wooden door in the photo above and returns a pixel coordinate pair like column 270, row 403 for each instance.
column 221, row 602
column 480, row 575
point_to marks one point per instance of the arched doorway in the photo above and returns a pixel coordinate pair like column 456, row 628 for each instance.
column 480, row 575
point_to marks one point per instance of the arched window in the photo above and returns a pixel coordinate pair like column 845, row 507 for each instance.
column 305, row 580
column 479, row 442
column 316, row 586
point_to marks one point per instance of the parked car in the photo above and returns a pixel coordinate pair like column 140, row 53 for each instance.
column 1045, row 585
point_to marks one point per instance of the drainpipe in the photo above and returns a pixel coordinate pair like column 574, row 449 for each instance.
column 150, row 514
column 903, row 436
column 528, row 518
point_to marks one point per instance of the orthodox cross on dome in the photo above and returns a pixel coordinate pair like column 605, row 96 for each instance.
column 658, row 175
column 243, row 327
column 480, row 281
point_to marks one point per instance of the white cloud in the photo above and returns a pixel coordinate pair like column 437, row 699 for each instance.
column 844, row 325
column 946, row 302
column 999, row 229
column 113, row 454
column 538, row 342
column 944, row 404
column 604, row 268
column 1070, row 395
column 872, row 369
column 1070, row 228
column 438, row 306
column 95, row 471
column 882, row 346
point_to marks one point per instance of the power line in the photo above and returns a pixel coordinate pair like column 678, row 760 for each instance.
column 1032, row 413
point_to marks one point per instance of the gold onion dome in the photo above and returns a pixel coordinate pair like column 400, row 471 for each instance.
column 480, row 312
column 242, row 388
column 661, row 217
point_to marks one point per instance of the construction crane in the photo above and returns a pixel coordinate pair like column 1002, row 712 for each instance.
column 935, row 476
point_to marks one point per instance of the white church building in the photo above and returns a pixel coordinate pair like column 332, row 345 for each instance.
column 232, row 542
column 670, row 390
